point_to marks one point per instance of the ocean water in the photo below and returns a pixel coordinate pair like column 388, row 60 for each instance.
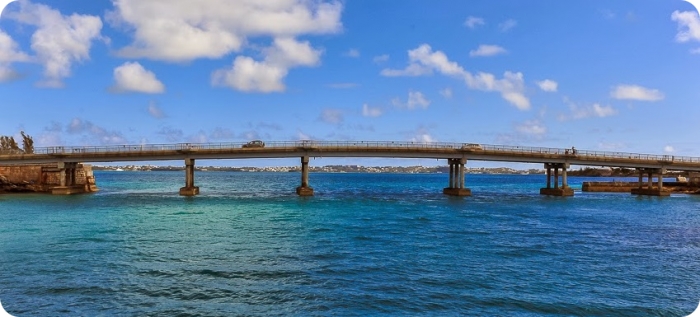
column 364, row 245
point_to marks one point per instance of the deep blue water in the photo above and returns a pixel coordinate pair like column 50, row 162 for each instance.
column 365, row 245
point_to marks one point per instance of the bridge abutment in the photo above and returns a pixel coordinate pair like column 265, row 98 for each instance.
column 189, row 189
column 305, row 189
column 67, row 180
column 555, row 190
column 650, row 190
column 457, row 178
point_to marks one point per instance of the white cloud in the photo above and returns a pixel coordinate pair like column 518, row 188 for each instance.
column 191, row 30
column 417, row 99
column 422, row 135
column 424, row 56
column 132, row 77
column 7, row 74
column 49, row 138
column 94, row 132
column 424, row 138
column 354, row 53
column 472, row 22
column 412, row 70
column 381, row 58
column 447, row 92
column 332, row 116
column 507, row 25
column 548, row 85
column 155, row 111
column 303, row 136
column 220, row 133
column 695, row 51
column 288, row 52
column 249, row 75
column 603, row 111
column 171, row 134
column 532, row 127
column 368, row 111
column 51, row 135
column 200, row 137
column 634, row 92
column 9, row 53
column 582, row 112
column 669, row 149
column 688, row 25
column 511, row 87
column 423, row 61
column 487, row 50
column 59, row 40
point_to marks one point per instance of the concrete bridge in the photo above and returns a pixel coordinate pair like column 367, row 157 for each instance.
column 556, row 160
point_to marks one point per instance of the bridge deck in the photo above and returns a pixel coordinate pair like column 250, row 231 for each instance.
column 482, row 152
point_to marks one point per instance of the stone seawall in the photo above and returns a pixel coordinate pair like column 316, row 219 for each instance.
column 43, row 178
column 626, row 187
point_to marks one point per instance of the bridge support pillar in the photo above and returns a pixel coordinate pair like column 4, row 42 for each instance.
column 189, row 189
column 304, row 189
column 564, row 190
column 457, row 176
column 650, row 190
column 67, row 180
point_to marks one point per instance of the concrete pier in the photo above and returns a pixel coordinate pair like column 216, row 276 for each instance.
column 650, row 190
column 555, row 190
column 457, row 179
column 304, row 189
column 189, row 189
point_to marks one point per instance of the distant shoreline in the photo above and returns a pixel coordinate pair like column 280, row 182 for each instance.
column 327, row 169
column 582, row 172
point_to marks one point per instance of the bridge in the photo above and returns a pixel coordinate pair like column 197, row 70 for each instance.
column 556, row 160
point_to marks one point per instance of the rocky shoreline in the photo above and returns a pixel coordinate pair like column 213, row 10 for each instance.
column 23, row 187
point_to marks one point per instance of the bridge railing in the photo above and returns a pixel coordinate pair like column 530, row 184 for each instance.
column 367, row 145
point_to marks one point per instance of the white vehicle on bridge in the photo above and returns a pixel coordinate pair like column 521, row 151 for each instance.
column 472, row 147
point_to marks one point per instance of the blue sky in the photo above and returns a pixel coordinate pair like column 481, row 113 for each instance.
column 599, row 75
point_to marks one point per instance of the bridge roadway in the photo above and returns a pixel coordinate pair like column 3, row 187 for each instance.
column 457, row 155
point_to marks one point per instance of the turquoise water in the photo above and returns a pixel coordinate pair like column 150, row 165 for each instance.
column 366, row 244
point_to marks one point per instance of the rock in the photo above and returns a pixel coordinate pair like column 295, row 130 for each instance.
column 3, row 180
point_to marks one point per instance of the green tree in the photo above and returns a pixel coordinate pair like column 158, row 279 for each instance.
column 9, row 145
column 4, row 144
column 27, row 143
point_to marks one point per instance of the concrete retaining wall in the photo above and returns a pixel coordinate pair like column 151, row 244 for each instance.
column 42, row 178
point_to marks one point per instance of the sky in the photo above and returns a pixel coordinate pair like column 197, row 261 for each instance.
column 595, row 74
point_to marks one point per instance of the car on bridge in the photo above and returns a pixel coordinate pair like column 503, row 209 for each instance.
column 472, row 147
column 254, row 144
